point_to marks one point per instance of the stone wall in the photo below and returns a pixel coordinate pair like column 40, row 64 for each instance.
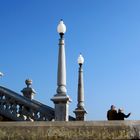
column 88, row 130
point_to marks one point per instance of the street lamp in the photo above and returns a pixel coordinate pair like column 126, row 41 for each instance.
column 61, row 100
column 80, row 111
column 1, row 74
column 61, row 28
column 80, row 60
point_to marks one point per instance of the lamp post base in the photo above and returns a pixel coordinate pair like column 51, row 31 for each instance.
column 80, row 114
column 61, row 107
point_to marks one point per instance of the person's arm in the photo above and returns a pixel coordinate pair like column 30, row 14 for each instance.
column 126, row 116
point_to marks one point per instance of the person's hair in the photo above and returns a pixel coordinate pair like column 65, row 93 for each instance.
column 112, row 106
column 120, row 110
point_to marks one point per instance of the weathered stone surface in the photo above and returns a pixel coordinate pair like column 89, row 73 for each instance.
column 91, row 130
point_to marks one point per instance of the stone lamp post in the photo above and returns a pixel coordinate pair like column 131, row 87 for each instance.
column 80, row 111
column 61, row 99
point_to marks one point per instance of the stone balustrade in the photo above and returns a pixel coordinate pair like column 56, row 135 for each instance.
column 19, row 108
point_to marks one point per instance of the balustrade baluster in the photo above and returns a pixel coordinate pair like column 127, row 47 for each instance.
column 36, row 116
column 13, row 105
column 1, row 101
column 14, row 109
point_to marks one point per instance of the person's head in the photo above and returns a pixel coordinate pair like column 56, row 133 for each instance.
column 120, row 110
column 113, row 107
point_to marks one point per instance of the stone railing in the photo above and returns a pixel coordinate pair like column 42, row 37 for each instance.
column 19, row 108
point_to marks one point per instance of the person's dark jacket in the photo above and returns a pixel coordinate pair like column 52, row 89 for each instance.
column 112, row 114
column 121, row 116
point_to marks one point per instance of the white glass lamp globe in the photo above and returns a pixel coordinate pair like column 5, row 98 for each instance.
column 1, row 74
column 61, row 28
column 80, row 59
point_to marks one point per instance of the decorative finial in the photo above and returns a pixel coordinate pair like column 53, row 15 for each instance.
column 28, row 91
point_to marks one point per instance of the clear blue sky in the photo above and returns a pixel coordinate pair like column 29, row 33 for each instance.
column 106, row 32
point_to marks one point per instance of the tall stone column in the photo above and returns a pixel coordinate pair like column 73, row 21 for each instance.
column 61, row 99
column 80, row 111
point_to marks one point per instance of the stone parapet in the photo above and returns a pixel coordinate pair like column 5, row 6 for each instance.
column 76, row 130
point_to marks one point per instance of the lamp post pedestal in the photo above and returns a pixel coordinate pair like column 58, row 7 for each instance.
column 80, row 113
column 61, row 107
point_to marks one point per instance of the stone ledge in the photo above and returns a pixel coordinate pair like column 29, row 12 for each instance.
column 87, row 130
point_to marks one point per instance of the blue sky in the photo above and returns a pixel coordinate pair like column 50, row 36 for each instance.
column 106, row 32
